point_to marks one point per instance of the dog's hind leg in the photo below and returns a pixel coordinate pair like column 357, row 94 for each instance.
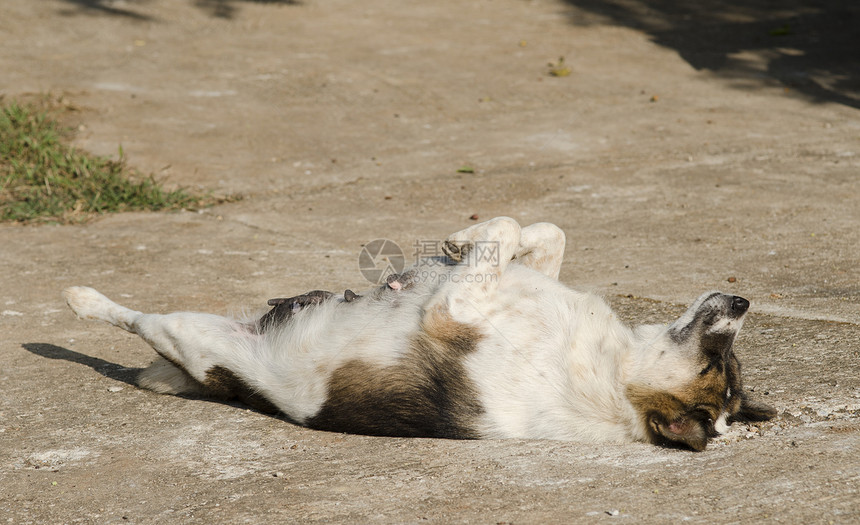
column 199, row 346
column 164, row 377
column 541, row 248
column 90, row 304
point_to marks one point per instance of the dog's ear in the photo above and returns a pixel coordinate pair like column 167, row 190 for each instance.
column 681, row 430
column 667, row 419
column 751, row 410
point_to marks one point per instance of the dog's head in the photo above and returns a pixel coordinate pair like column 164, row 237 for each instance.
column 687, row 385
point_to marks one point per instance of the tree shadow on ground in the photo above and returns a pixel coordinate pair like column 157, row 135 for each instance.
column 108, row 7
column 226, row 9
column 105, row 368
column 809, row 46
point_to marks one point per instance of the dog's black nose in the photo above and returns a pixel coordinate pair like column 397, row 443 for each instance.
column 739, row 304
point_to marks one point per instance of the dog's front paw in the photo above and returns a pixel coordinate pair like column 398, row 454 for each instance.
column 456, row 250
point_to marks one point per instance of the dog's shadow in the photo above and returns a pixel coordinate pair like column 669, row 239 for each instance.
column 110, row 370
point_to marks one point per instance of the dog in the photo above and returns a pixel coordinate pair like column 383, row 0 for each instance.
column 472, row 343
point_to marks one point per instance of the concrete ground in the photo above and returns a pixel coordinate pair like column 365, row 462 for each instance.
column 715, row 146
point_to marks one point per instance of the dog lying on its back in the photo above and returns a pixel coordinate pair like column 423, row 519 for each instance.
column 461, row 346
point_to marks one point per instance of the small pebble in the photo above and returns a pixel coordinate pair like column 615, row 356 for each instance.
column 114, row 388
column 613, row 512
column 278, row 474
column 474, row 217
column 732, row 279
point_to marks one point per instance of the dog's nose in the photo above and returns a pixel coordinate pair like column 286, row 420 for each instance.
column 739, row 304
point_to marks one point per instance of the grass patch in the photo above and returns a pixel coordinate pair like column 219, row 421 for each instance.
column 43, row 179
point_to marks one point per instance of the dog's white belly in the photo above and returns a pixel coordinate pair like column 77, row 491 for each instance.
column 550, row 364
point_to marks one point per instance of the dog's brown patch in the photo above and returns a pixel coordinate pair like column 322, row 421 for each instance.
column 221, row 383
column 667, row 418
column 426, row 394
column 687, row 416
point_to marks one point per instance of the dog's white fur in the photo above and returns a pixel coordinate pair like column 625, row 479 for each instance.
column 550, row 362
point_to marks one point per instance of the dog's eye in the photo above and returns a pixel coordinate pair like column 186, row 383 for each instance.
column 706, row 369
column 710, row 317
